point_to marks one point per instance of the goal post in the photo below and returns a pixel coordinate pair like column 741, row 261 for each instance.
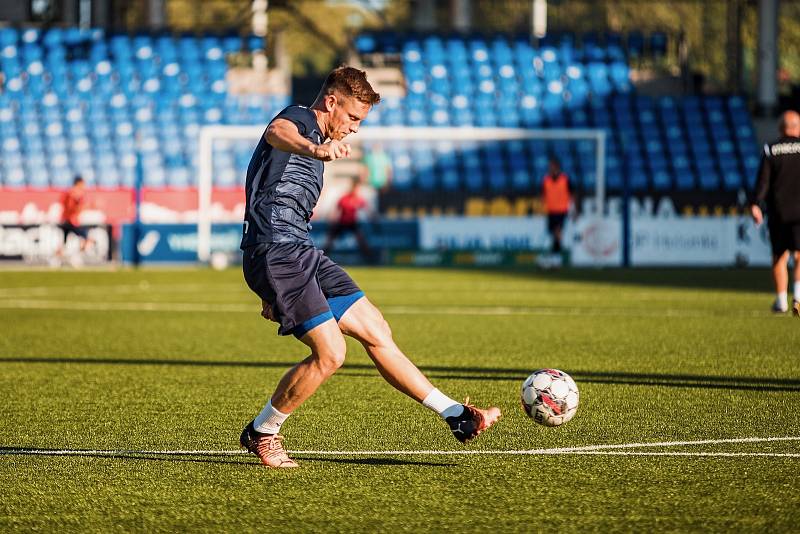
column 385, row 134
column 205, row 179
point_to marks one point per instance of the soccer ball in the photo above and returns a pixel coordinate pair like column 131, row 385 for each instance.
column 219, row 261
column 550, row 397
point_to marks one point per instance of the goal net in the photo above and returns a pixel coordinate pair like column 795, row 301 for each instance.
column 484, row 160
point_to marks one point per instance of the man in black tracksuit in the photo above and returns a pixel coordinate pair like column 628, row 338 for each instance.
column 778, row 189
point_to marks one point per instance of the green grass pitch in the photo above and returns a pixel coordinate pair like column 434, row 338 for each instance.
column 180, row 360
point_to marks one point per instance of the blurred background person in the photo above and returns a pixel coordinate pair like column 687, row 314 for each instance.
column 557, row 198
column 376, row 173
column 73, row 202
column 778, row 190
column 377, row 168
column 347, row 220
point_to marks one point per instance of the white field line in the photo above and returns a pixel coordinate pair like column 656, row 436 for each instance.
column 144, row 287
column 123, row 289
column 610, row 450
column 36, row 304
column 26, row 304
column 711, row 454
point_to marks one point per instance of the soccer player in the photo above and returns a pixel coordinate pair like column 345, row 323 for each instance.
column 557, row 196
column 310, row 296
column 778, row 187
column 347, row 221
column 72, row 202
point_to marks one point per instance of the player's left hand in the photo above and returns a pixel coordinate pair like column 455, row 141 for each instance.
column 755, row 213
column 266, row 311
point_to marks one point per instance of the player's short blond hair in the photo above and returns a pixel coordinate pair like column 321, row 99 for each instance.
column 350, row 82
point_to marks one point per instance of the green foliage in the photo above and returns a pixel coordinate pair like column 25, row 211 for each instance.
column 180, row 359
column 315, row 51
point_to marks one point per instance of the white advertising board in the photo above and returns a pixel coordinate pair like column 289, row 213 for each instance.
column 681, row 241
column 475, row 233
column 752, row 243
column 697, row 241
column 596, row 242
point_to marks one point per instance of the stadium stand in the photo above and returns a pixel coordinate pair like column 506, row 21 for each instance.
column 660, row 144
column 73, row 102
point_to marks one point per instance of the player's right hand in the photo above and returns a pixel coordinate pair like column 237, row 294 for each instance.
column 266, row 311
column 331, row 151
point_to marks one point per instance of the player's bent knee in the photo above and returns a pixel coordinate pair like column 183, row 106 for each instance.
column 328, row 346
column 331, row 358
column 335, row 352
column 330, row 362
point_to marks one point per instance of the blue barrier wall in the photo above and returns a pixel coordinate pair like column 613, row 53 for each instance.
column 176, row 243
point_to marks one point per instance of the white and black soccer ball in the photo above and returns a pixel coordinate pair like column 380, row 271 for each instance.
column 550, row 397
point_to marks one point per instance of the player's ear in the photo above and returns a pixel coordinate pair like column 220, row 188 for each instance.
column 330, row 102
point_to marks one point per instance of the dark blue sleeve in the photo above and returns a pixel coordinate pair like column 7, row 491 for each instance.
column 301, row 117
column 759, row 194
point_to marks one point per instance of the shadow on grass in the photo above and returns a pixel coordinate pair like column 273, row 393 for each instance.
column 469, row 373
column 633, row 379
column 736, row 279
column 206, row 458
column 370, row 461
column 124, row 455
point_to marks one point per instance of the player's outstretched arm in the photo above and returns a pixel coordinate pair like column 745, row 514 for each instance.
column 283, row 135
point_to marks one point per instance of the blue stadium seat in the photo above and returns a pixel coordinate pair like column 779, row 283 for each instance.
column 521, row 179
column 426, row 179
column 708, row 179
column 637, row 180
column 474, row 180
column 13, row 176
column 732, row 179
column 614, row 173
column 620, row 76
column 685, row 179
column 662, row 180
column 450, row 180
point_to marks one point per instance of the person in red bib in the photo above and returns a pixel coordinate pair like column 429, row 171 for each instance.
column 557, row 197
column 347, row 220
column 73, row 201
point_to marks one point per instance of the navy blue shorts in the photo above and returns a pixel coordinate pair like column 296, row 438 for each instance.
column 303, row 285
column 69, row 228
column 783, row 236
column 555, row 221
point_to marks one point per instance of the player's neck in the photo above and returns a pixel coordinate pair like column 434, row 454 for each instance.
column 322, row 117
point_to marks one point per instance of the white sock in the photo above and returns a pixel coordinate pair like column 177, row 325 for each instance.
column 796, row 292
column 269, row 421
column 442, row 404
column 783, row 300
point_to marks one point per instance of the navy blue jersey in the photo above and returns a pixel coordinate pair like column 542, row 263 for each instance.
column 283, row 188
column 778, row 182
